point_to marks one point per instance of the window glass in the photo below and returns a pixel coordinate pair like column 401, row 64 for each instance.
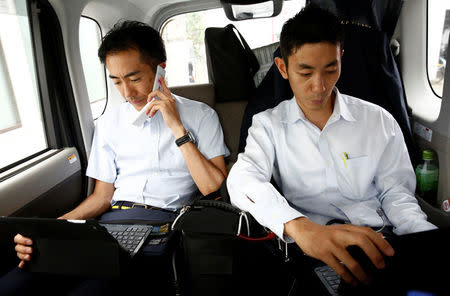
column 21, row 128
column 9, row 116
column 94, row 71
column 438, row 33
column 184, row 35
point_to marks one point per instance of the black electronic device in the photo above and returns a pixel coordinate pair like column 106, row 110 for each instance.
column 366, row 264
column 414, row 267
column 329, row 278
column 77, row 247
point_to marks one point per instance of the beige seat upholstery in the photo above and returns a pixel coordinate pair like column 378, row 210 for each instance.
column 199, row 92
column 230, row 115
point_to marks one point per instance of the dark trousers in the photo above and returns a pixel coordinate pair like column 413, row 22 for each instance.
column 20, row 282
column 146, row 272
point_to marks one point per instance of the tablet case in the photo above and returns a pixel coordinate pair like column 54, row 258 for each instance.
column 81, row 248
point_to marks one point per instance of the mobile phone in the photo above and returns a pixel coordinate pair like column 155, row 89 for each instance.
column 141, row 116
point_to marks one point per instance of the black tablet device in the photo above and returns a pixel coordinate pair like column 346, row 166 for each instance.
column 72, row 247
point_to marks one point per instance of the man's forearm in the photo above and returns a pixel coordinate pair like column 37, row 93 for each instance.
column 91, row 207
column 207, row 176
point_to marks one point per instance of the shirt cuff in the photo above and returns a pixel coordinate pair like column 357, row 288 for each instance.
column 276, row 216
column 414, row 226
column 288, row 216
column 97, row 176
column 219, row 152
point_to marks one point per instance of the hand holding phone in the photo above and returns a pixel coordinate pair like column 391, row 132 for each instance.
column 141, row 117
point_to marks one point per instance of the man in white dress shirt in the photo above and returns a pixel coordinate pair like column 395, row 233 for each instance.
column 136, row 166
column 334, row 157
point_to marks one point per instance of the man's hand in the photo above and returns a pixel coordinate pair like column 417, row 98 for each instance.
column 329, row 243
column 23, row 249
column 168, row 108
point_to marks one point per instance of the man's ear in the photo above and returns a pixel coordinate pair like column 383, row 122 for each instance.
column 281, row 65
column 163, row 65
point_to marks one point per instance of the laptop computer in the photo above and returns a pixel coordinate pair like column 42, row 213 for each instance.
column 420, row 264
column 78, row 247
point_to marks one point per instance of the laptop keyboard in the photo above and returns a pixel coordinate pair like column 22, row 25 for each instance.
column 329, row 278
column 129, row 237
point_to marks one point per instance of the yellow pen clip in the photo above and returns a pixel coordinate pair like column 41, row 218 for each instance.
column 344, row 157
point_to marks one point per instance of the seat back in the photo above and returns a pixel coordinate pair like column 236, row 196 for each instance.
column 231, row 68
column 198, row 92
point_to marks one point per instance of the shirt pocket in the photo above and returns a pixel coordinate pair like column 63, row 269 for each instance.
column 355, row 177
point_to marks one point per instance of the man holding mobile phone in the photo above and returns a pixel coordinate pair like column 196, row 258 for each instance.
column 158, row 164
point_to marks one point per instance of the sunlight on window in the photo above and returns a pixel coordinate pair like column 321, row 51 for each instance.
column 438, row 34
column 21, row 128
column 94, row 71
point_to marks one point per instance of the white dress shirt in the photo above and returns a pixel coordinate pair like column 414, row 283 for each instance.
column 143, row 162
column 313, row 172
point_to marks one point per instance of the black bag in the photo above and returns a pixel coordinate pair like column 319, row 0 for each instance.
column 226, row 252
column 231, row 64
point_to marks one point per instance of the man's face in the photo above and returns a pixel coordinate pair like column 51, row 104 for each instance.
column 313, row 71
column 132, row 77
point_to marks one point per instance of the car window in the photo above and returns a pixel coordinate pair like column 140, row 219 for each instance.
column 94, row 71
column 22, row 131
column 184, row 35
column 438, row 34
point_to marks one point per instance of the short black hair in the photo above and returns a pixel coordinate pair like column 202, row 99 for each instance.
column 136, row 35
column 312, row 24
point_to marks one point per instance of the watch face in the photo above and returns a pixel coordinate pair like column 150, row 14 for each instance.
column 191, row 137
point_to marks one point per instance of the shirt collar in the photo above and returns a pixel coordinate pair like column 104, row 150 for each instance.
column 340, row 109
column 293, row 112
column 132, row 113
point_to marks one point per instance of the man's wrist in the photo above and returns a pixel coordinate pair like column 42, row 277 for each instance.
column 295, row 226
column 179, row 131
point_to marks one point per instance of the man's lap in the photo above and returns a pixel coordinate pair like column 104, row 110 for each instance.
column 138, row 215
column 140, row 271
column 147, row 216
column 22, row 282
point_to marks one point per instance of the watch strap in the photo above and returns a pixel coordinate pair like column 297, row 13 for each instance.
column 185, row 139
